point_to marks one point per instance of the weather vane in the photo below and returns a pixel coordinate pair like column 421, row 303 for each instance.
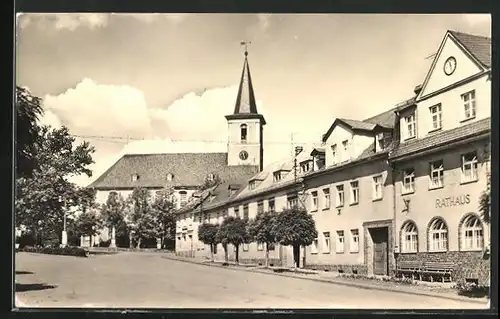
column 246, row 43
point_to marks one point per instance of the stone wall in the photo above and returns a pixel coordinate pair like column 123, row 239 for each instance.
column 469, row 264
column 343, row 268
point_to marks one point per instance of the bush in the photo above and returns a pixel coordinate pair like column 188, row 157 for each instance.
column 472, row 289
column 64, row 251
column 105, row 243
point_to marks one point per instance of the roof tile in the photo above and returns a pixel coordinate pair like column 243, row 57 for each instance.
column 478, row 46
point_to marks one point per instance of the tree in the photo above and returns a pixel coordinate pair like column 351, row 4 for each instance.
column 233, row 230
column 261, row 230
column 45, row 197
column 28, row 112
column 295, row 227
column 113, row 215
column 207, row 234
column 88, row 223
column 163, row 213
column 142, row 221
column 485, row 202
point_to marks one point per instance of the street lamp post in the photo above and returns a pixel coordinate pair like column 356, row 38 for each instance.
column 64, row 235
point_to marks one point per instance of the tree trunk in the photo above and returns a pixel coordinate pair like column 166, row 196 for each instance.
column 226, row 255
column 296, row 256
column 139, row 243
column 237, row 254
column 212, row 252
column 267, row 255
column 130, row 241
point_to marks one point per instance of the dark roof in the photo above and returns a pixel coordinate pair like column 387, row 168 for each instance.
column 358, row 125
column 245, row 101
column 404, row 105
column 386, row 119
column 442, row 138
column 317, row 150
column 188, row 169
column 478, row 46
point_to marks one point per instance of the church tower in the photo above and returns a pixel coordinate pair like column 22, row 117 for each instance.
column 246, row 136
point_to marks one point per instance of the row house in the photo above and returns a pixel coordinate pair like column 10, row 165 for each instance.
column 399, row 188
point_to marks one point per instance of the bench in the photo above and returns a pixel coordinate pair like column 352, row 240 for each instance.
column 412, row 267
column 441, row 269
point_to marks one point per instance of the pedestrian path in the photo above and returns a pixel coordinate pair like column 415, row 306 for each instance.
column 334, row 278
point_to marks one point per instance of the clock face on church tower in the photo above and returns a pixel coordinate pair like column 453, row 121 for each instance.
column 243, row 155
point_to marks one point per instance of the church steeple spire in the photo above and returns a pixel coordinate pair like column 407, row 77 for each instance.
column 245, row 100
column 246, row 136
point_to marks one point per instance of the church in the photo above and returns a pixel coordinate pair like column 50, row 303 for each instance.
column 185, row 172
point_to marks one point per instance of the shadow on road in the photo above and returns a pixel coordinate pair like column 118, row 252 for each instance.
column 32, row 287
column 22, row 272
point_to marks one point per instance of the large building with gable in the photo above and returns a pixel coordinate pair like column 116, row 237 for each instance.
column 394, row 194
column 185, row 173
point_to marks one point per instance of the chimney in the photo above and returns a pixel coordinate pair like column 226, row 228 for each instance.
column 417, row 89
column 298, row 150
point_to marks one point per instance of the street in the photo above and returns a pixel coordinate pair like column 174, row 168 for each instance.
column 146, row 280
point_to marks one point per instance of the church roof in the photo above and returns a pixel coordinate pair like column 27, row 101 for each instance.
column 246, row 106
column 186, row 169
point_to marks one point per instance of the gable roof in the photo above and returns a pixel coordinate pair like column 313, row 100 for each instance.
column 478, row 46
column 384, row 120
column 188, row 169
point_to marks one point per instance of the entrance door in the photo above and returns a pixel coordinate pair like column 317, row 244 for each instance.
column 380, row 237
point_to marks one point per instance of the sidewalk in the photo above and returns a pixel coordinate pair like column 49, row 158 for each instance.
column 333, row 278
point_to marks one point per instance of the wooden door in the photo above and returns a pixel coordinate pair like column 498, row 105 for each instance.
column 380, row 251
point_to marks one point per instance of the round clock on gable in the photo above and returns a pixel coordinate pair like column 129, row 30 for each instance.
column 243, row 155
column 450, row 65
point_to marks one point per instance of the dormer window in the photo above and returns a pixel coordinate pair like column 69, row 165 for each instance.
column 170, row 177
column 252, row 184
column 243, row 132
column 305, row 166
column 211, row 177
column 277, row 176
column 135, row 177
column 410, row 126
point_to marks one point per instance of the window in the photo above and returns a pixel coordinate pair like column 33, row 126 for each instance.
column 245, row 211
column 408, row 181
column 340, row 241
column 277, row 176
column 345, row 148
column 270, row 247
column 135, row 177
column 410, row 126
column 170, row 177
column 377, row 187
column 326, row 198
column 472, row 233
column 305, row 166
column 243, row 131
column 354, row 192
column 210, row 177
column 469, row 100
column 314, row 196
column 292, row 201
column 354, row 246
column 340, row 195
column 326, row 245
column 260, row 246
column 469, row 167
column 314, row 246
column 183, row 198
column 270, row 203
column 260, row 207
column 334, row 154
column 436, row 174
column 251, row 185
column 438, row 235
column 237, row 211
column 409, row 238
column 245, row 247
column 436, row 116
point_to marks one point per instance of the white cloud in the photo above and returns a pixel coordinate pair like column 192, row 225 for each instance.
column 72, row 21
column 264, row 21
column 192, row 123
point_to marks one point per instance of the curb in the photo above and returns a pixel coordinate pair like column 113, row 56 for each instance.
column 347, row 284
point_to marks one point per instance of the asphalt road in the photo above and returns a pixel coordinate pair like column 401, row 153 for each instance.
column 146, row 280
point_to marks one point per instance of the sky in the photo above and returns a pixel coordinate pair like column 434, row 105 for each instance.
column 154, row 83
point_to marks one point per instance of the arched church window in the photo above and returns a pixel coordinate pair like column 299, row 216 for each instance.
column 243, row 130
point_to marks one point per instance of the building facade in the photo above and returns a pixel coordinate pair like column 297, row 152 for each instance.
column 401, row 186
